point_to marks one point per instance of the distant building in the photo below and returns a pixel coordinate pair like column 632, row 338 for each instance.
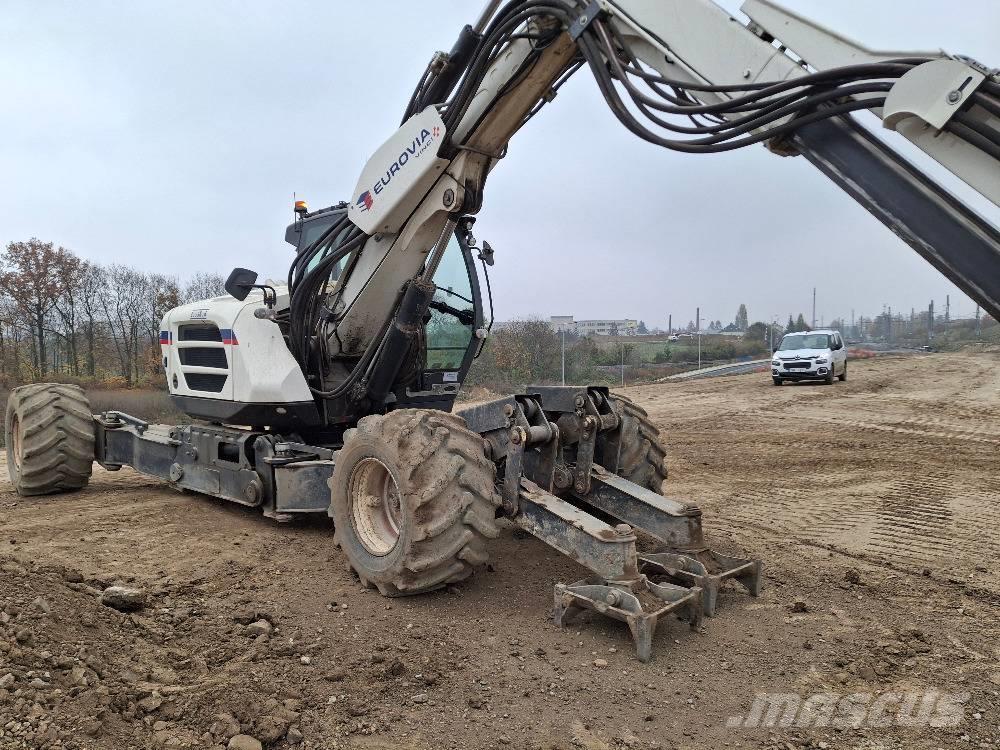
column 624, row 327
column 562, row 323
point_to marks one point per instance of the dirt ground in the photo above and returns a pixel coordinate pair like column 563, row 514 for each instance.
column 872, row 504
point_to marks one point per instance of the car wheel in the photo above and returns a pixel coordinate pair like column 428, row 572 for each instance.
column 843, row 373
column 777, row 381
column 829, row 375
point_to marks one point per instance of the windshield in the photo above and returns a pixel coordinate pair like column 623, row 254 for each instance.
column 804, row 341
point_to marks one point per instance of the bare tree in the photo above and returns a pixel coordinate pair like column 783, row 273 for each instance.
column 204, row 286
column 125, row 303
column 70, row 271
column 165, row 294
column 92, row 284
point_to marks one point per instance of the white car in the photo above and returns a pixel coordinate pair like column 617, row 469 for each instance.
column 810, row 355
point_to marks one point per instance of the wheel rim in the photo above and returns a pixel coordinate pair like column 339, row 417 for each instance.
column 15, row 442
column 375, row 506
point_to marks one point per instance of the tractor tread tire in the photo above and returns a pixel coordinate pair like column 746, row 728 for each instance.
column 642, row 458
column 448, row 494
column 55, row 440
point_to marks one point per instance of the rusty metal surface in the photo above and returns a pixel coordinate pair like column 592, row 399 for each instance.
column 606, row 550
column 675, row 523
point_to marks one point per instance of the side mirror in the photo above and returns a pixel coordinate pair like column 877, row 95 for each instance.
column 774, row 349
column 240, row 282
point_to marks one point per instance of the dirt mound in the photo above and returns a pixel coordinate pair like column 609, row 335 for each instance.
column 78, row 673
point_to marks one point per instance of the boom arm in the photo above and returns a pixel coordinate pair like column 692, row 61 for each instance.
column 685, row 75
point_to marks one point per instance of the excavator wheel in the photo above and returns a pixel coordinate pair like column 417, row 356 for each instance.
column 642, row 458
column 50, row 438
column 413, row 499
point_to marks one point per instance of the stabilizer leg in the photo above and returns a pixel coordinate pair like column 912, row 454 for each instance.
column 685, row 558
column 618, row 590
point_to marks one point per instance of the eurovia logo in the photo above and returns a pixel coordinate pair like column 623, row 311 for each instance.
column 416, row 149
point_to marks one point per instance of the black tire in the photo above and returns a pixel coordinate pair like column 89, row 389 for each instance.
column 777, row 381
column 433, row 507
column 49, row 434
column 843, row 373
column 828, row 380
column 642, row 458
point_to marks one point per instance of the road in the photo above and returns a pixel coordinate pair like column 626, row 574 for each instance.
column 871, row 502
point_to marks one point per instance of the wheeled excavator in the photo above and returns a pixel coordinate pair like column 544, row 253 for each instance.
column 332, row 393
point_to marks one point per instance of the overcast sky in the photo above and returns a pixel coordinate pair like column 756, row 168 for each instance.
column 172, row 135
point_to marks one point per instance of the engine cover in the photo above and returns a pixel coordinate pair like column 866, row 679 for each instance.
column 224, row 364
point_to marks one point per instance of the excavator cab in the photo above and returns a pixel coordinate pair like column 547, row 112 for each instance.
column 454, row 327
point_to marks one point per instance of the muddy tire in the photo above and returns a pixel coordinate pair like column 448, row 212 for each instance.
column 49, row 435
column 413, row 498
column 642, row 458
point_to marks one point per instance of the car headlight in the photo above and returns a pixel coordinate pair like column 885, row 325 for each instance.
column 776, row 363
column 820, row 360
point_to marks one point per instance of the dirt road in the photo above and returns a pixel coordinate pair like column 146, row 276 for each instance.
column 872, row 503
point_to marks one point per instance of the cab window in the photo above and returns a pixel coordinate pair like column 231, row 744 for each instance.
column 452, row 312
column 312, row 230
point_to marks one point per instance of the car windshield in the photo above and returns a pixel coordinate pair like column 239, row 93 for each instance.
column 804, row 341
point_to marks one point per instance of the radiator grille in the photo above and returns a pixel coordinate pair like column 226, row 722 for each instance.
column 199, row 332
column 200, row 381
column 203, row 356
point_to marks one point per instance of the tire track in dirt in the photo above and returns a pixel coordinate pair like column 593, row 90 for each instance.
column 892, row 468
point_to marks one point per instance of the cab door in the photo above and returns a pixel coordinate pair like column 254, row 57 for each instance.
column 454, row 315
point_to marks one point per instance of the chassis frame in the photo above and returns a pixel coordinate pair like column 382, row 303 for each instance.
column 557, row 451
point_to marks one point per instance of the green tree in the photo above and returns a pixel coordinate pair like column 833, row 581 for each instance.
column 642, row 327
column 756, row 332
column 663, row 355
column 800, row 323
column 741, row 318
column 34, row 279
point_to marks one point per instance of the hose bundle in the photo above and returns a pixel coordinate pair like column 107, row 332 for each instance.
column 675, row 114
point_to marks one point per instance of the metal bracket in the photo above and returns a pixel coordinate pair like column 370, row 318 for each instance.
column 624, row 602
column 583, row 21
column 933, row 91
column 513, row 470
column 585, row 454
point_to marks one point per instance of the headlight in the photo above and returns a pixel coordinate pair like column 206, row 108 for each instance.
column 776, row 363
column 820, row 360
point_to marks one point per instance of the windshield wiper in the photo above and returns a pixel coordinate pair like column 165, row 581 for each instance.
column 455, row 294
column 465, row 317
